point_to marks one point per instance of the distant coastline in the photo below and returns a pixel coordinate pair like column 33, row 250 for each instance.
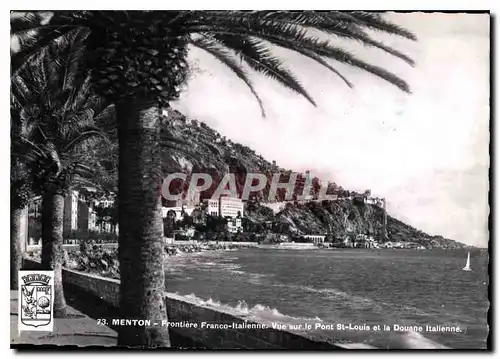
column 102, row 259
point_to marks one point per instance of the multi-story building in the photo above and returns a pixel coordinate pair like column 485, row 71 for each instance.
column 86, row 216
column 105, row 203
column 78, row 214
column 105, row 225
column 230, row 207
column 70, row 221
column 92, row 219
column 212, row 207
column 234, row 225
column 224, row 207
column 315, row 238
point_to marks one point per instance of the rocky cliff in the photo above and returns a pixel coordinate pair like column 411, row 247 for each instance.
column 202, row 148
column 338, row 218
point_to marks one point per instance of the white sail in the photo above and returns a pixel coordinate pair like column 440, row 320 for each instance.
column 467, row 265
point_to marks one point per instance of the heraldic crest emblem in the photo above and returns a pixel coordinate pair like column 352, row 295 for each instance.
column 35, row 300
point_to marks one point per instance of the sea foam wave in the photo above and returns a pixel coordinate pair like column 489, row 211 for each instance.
column 258, row 311
column 414, row 340
column 389, row 340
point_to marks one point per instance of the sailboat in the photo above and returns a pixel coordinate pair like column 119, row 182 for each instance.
column 467, row 265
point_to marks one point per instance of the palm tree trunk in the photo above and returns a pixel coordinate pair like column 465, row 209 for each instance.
column 16, row 237
column 52, row 250
column 142, row 284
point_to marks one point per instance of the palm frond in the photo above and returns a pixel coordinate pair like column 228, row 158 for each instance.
column 261, row 59
column 350, row 31
column 360, row 19
column 79, row 169
column 20, row 91
column 91, row 132
column 287, row 29
column 34, row 147
column 80, row 95
column 31, row 44
column 329, row 22
column 107, row 115
column 289, row 36
column 24, row 21
column 235, row 43
column 54, row 104
column 221, row 54
column 375, row 21
column 73, row 50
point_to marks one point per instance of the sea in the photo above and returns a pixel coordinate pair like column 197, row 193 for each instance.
column 377, row 295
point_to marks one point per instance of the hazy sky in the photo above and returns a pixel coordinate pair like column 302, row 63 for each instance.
column 427, row 153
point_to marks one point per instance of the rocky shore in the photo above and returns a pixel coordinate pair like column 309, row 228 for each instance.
column 103, row 261
column 172, row 250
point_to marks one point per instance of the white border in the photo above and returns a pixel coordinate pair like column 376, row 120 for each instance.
column 257, row 4
column 187, row 4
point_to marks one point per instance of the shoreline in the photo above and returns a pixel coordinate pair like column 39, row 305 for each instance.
column 178, row 248
column 102, row 260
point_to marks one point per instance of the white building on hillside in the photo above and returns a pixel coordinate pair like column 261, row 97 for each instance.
column 234, row 225
column 224, row 207
column 70, row 219
column 315, row 238
column 212, row 207
column 230, row 207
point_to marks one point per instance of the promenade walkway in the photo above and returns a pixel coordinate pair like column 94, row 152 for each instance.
column 76, row 330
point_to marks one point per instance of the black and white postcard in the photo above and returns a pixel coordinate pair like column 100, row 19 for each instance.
column 222, row 179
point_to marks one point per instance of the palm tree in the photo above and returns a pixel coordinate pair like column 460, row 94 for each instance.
column 20, row 191
column 138, row 61
column 16, row 234
column 58, row 113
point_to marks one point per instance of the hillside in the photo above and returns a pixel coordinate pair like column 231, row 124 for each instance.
column 204, row 149
column 211, row 150
column 337, row 218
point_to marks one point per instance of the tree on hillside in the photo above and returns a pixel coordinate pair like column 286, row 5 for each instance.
column 198, row 216
column 187, row 221
column 139, row 61
column 59, row 114
column 169, row 224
